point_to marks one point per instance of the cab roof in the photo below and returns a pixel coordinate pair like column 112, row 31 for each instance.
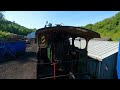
column 70, row 30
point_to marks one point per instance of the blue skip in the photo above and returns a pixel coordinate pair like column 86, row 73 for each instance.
column 118, row 62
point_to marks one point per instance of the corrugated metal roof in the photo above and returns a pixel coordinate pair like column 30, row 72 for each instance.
column 103, row 39
column 99, row 49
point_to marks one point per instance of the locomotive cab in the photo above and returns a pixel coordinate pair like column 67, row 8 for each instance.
column 57, row 58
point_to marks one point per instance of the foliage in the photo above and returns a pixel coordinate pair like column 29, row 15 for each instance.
column 109, row 27
column 12, row 27
column 1, row 15
column 4, row 34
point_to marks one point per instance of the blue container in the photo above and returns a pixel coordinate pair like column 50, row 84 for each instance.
column 11, row 49
column 20, row 47
column 1, row 52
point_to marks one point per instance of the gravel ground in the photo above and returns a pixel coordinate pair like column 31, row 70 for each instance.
column 24, row 67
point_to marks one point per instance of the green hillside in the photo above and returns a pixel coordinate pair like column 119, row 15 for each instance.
column 109, row 27
column 8, row 27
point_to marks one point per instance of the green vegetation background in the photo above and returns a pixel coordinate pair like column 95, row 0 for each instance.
column 8, row 27
column 109, row 27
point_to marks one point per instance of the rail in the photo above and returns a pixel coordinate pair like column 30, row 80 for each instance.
column 61, row 62
column 54, row 76
column 65, row 75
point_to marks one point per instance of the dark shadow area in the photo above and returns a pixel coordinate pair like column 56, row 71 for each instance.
column 22, row 58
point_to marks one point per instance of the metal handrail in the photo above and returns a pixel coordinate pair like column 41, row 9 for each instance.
column 60, row 62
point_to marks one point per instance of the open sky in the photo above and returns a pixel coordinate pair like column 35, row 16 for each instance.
column 37, row 19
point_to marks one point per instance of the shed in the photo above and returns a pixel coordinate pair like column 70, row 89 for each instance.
column 31, row 37
column 102, row 58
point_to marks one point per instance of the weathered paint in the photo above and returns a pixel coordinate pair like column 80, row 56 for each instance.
column 108, row 67
column 118, row 63
column 99, row 70
column 48, row 53
column 104, row 69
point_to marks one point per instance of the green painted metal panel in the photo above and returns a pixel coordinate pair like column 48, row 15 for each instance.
column 48, row 53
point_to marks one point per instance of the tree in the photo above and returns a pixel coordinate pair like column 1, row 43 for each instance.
column 1, row 15
column 109, row 27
